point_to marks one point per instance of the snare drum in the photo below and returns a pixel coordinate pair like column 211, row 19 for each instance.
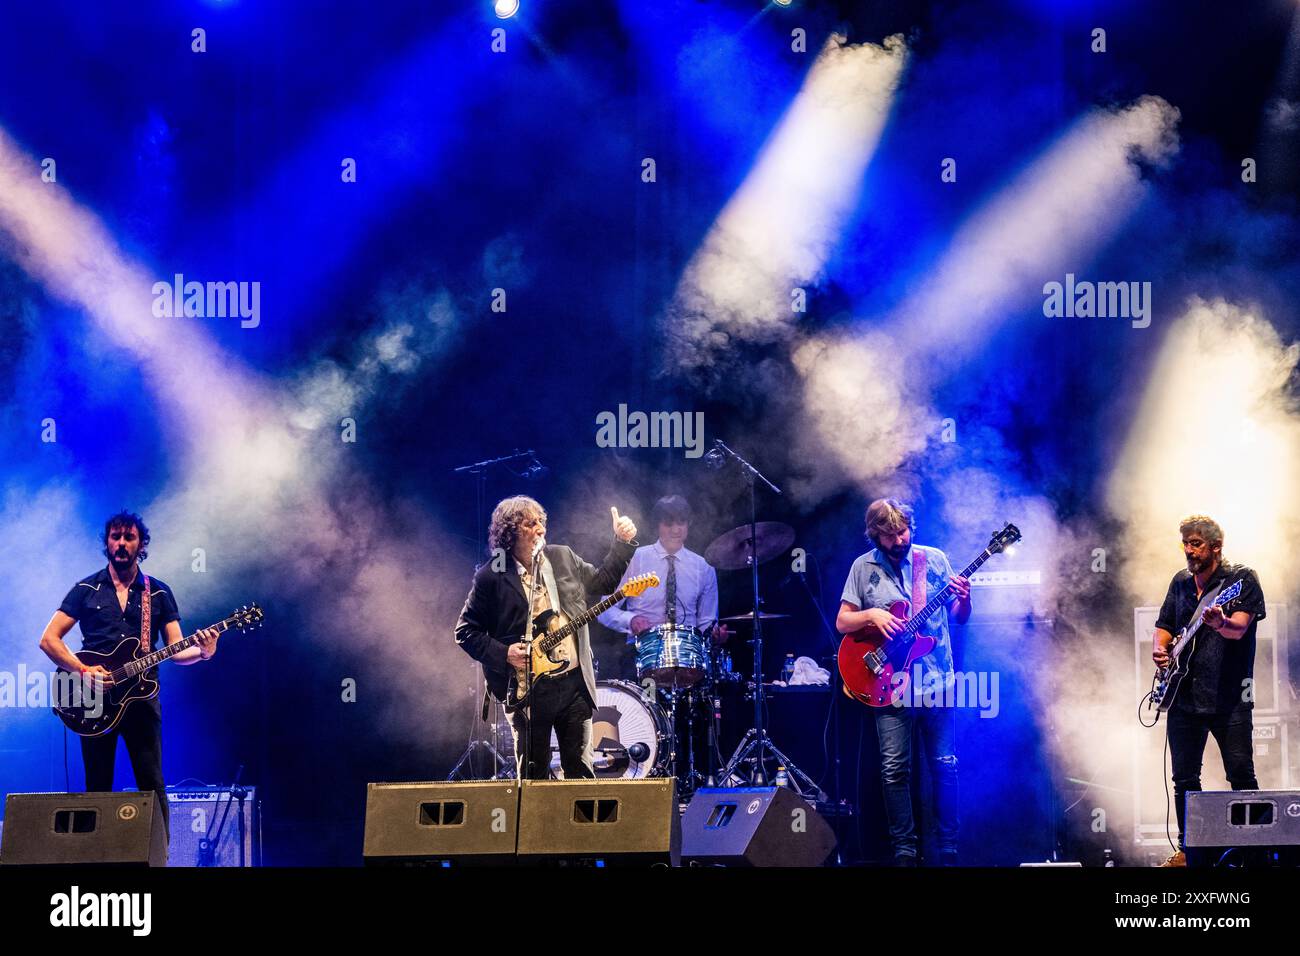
column 630, row 735
column 672, row 655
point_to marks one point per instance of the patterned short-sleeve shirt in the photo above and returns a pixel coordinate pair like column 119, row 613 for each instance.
column 874, row 581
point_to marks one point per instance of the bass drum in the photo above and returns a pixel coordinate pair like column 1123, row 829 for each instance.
column 630, row 735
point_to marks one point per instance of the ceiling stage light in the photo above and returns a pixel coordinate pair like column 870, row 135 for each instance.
column 505, row 9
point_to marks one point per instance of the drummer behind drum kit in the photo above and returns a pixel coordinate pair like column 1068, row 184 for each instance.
column 649, row 729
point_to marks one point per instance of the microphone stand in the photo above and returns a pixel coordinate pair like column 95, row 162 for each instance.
column 757, row 744
column 208, row 847
column 528, row 671
column 501, row 769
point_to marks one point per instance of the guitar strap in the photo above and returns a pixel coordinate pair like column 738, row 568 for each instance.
column 146, row 616
column 918, row 580
column 1206, row 600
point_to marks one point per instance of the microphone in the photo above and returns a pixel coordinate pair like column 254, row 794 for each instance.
column 790, row 577
column 638, row 752
column 715, row 458
column 537, row 548
column 534, row 470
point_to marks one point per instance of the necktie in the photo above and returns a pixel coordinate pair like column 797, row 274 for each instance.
column 670, row 589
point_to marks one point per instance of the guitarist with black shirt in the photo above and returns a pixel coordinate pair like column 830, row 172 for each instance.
column 1216, row 697
column 108, row 605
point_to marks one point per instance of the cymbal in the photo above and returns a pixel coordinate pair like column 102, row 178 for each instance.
column 730, row 551
column 749, row 616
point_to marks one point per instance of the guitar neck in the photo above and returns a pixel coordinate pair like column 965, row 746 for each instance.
column 1228, row 594
column 168, row 651
column 941, row 598
column 583, row 619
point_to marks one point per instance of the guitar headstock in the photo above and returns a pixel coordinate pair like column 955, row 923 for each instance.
column 247, row 617
column 1228, row 593
column 1004, row 539
column 640, row 583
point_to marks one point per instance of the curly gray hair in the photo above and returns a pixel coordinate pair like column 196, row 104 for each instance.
column 508, row 517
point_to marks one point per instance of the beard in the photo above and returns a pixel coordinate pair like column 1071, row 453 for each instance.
column 898, row 551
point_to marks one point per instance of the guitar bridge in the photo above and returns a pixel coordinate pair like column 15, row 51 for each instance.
column 872, row 660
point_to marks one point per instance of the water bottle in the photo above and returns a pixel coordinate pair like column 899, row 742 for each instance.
column 787, row 672
column 782, row 778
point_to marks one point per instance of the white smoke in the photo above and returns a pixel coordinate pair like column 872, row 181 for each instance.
column 1216, row 432
column 866, row 395
column 778, row 230
column 262, row 481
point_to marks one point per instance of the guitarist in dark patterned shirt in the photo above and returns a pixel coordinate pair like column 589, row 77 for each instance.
column 108, row 606
column 1217, row 696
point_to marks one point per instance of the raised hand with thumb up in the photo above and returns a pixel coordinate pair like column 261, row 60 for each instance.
column 624, row 529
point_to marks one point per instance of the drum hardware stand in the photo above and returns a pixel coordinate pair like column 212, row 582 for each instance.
column 715, row 715
column 503, row 770
column 692, row 778
column 501, row 767
column 757, row 745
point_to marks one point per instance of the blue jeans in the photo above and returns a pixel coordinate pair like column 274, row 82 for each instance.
column 894, row 728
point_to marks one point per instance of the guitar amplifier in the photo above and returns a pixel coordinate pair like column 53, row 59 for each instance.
column 83, row 829
column 754, row 826
column 601, row 822
column 421, row 824
column 231, row 828
column 1005, row 593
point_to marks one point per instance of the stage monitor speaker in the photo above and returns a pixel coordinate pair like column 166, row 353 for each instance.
column 754, row 826
column 1243, row 818
column 84, row 829
column 211, row 815
column 600, row 822
column 441, row 823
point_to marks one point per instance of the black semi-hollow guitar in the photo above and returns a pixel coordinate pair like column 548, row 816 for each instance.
column 133, row 674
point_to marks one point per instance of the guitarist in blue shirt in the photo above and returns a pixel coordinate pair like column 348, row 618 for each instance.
column 876, row 581
column 1216, row 696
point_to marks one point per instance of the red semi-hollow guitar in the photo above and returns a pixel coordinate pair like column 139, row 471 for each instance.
column 875, row 669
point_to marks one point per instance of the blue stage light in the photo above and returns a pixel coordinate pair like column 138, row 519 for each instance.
column 505, row 9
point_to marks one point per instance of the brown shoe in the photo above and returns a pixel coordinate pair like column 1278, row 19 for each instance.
column 1176, row 859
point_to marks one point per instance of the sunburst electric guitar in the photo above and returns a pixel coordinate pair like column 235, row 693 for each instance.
column 555, row 645
column 876, row 669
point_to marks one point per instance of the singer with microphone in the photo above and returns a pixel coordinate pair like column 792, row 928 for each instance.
column 524, row 577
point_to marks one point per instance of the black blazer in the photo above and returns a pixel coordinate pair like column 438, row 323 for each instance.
column 496, row 610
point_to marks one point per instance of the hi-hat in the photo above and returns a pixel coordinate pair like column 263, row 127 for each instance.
column 731, row 551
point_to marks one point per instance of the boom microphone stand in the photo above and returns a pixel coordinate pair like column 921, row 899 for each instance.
column 757, row 744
